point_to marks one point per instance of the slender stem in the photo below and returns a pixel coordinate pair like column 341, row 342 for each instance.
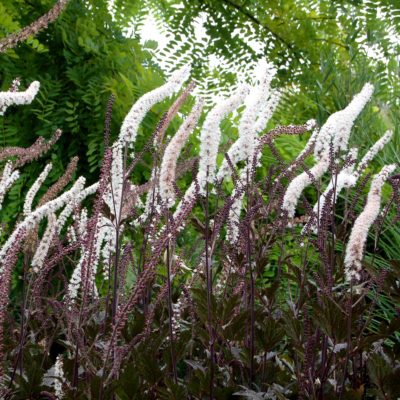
column 115, row 282
column 248, row 250
column 209, row 293
column 20, row 356
column 75, row 370
column 348, row 349
column 117, row 225
column 170, row 315
column 23, row 305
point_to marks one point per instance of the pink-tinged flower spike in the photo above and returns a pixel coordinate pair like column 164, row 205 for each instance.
column 82, row 223
column 41, row 212
column 34, row 189
column 7, row 179
column 256, row 104
column 76, row 280
column 59, row 378
column 336, row 130
column 104, row 230
column 378, row 145
column 113, row 196
column 151, row 205
column 171, row 154
column 44, row 245
column 234, row 217
column 9, row 98
column 138, row 111
column 16, row 83
column 359, row 233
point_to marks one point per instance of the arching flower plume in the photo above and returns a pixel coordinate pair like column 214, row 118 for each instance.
column 18, row 98
column 359, row 233
column 171, row 154
column 336, row 130
column 344, row 179
column 142, row 106
column 298, row 184
column 372, row 152
column 211, row 133
column 74, row 202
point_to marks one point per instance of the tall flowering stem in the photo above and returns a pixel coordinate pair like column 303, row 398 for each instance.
column 92, row 229
column 128, row 135
column 209, row 142
column 147, row 276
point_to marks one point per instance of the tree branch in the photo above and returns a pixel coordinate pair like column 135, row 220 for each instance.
column 255, row 20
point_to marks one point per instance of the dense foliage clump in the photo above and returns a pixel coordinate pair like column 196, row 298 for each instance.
column 196, row 267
